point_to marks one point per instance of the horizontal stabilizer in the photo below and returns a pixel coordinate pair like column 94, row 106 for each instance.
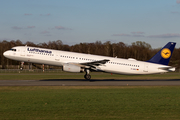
column 168, row 68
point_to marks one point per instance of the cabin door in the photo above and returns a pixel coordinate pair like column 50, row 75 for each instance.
column 146, row 67
column 57, row 57
column 23, row 51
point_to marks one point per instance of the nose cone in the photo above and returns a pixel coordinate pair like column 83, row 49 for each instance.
column 5, row 54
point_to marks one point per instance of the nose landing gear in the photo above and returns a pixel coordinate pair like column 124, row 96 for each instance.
column 21, row 68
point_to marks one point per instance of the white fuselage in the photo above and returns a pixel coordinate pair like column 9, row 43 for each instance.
column 59, row 58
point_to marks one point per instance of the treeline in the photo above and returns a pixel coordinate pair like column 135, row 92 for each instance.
column 138, row 50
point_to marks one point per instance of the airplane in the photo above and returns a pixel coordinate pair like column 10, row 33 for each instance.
column 80, row 62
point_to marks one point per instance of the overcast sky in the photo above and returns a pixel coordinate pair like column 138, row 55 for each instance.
column 73, row 21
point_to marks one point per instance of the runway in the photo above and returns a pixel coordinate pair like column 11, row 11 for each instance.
column 82, row 82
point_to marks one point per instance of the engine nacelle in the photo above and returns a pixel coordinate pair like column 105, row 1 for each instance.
column 71, row 68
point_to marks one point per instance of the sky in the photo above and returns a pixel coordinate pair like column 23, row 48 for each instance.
column 85, row 21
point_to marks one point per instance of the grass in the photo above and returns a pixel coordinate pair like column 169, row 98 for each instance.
column 95, row 75
column 97, row 103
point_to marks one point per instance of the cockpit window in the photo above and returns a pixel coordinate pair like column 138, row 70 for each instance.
column 13, row 49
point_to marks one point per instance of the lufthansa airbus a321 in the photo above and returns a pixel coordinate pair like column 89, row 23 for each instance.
column 78, row 62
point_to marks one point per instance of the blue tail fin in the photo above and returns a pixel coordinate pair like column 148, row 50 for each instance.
column 164, row 55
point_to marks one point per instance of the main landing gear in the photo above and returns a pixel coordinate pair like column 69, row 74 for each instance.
column 87, row 76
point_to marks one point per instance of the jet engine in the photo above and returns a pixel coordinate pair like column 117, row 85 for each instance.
column 71, row 68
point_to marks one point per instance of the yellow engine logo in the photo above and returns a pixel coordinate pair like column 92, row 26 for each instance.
column 165, row 53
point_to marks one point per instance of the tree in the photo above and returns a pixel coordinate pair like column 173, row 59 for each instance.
column 140, row 50
column 108, row 48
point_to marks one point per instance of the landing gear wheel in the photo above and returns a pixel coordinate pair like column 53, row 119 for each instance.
column 21, row 68
column 87, row 76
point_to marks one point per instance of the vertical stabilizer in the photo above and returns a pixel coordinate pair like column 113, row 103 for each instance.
column 164, row 55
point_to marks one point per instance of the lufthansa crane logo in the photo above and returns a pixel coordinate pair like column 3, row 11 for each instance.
column 165, row 53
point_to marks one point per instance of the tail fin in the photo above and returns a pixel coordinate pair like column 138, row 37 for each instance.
column 164, row 55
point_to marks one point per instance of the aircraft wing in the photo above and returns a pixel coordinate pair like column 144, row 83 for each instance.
column 93, row 64
column 96, row 63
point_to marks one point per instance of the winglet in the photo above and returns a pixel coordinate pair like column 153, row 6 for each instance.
column 164, row 55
